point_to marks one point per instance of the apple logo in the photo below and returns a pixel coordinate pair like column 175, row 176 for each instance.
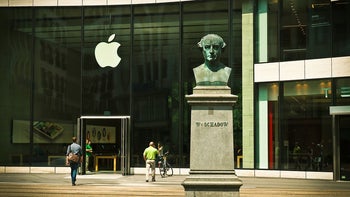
column 106, row 54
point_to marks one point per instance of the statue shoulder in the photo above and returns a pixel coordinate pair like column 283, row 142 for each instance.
column 198, row 68
column 228, row 69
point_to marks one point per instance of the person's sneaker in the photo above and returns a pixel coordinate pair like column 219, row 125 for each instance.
column 153, row 180
column 146, row 180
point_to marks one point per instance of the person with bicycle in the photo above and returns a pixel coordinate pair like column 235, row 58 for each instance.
column 165, row 168
column 150, row 155
column 160, row 150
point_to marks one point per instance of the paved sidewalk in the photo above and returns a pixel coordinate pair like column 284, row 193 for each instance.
column 110, row 184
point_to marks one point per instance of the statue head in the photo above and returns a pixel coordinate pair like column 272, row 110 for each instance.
column 212, row 72
column 211, row 46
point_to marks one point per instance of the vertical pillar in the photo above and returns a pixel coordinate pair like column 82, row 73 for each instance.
column 248, row 84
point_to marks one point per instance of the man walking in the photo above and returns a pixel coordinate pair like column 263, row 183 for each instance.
column 75, row 149
column 150, row 155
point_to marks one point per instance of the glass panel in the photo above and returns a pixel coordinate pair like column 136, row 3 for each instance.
column 319, row 29
column 344, row 147
column 106, row 84
column 305, row 29
column 306, row 129
column 273, row 36
column 57, row 79
column 293, row 29
column 343, row 99
column 268, row 140
column 235, row 57
column 106, row 88
column 155, row 79
column 267, row 27
column 16, row 85
column 341, row 27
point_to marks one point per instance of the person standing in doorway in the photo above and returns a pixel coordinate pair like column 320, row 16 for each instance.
column 88, row 155
column 75, row 149
column 149, row 155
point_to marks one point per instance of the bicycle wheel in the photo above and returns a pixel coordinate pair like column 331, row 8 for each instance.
column 169, row 170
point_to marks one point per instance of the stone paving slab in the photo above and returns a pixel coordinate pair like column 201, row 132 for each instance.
column 110, row 184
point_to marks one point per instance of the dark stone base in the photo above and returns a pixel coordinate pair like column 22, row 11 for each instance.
column 212, row 183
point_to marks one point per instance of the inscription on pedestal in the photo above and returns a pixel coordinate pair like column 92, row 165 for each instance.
column 212, row 124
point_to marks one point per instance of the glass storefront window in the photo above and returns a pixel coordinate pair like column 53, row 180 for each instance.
column 305, row 29
column 294, row 126
column 344, row 147
column 57, row 82
column 55, row 78
column 106, row 89
column 267, row 31
column 306, row 128
column 16, row 74
column 268, row 139
column 155, row 79
column 293, row 29
column 319, row 29
column 341, row 28
column 289, row 30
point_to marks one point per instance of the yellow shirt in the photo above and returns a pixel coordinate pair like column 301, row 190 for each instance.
column 150, row 153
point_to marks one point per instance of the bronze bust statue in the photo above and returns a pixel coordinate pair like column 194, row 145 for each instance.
column 212, row 72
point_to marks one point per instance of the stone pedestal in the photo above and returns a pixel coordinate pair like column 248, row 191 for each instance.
column 211, row 157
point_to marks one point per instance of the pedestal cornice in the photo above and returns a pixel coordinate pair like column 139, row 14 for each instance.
column 211, row 95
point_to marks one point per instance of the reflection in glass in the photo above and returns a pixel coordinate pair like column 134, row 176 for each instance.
column 307, row 124
column 341, row 28
column 319, row 29
column 16, row 84
column 106, row 89
column 344, row 147
column 54, row 77
column 268, row 140
column 294, row 23
column 343, row 91
column 155, row 81
column 57, row 79
column 305, row 28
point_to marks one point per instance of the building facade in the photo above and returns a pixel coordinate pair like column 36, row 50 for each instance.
column 289, row 58
column 302, row 69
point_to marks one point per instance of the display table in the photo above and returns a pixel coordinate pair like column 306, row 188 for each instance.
column 114, row 157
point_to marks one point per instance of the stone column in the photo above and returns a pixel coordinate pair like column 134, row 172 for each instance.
column 211, row 157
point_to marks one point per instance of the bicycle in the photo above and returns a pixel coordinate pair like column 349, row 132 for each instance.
column 165, row 168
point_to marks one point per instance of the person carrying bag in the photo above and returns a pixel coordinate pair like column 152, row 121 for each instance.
column 74, row 158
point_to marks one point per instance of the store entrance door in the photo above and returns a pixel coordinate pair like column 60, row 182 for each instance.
column 341, row 142
column 344, row 147
column 110, row 142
